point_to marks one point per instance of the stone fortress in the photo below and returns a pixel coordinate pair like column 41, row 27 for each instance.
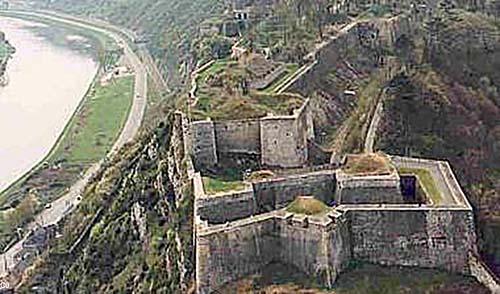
column 382, row 209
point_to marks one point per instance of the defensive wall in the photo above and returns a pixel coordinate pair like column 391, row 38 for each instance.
column 279, row 141
column 227, row 252
column 239, row 232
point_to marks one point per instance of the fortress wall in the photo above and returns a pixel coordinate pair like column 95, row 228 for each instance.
column 202, row 141
column 369, row 190
column 233, row 253
column 320, row 250
column 238, row 136
column 437, row 238
column 370, row 195
column 280, row 142
column 278, row 193
column 228, row 207
column 284, row 138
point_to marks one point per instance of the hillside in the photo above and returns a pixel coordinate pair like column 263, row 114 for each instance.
column 132, row 201
column 170, row 27
column 451, row 110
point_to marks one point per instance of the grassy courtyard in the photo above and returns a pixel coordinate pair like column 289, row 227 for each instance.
column 427, row 181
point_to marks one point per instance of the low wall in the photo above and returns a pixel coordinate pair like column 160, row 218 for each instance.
column 227, row 207
column 424, row 237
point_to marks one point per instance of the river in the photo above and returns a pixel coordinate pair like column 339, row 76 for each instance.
column 48, row 76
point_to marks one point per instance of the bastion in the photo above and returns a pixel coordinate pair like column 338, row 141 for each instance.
column 366, row 217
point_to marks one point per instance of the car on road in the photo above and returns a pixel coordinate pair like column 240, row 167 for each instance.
column 48, row 205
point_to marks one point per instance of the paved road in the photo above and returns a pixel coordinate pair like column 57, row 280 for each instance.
column 372, row 130
column 69, row 201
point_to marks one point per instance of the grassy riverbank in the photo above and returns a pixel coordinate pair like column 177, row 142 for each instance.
column 86, row 139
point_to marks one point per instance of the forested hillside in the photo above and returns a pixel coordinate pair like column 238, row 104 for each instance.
column 169, row 26
column 449, row 107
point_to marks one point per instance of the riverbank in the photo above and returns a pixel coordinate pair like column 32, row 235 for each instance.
column 6, row 51
column 87, row 138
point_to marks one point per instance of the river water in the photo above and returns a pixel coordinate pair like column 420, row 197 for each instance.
column 48, row 76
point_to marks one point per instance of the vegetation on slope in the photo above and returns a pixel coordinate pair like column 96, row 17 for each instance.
column 451, row 110
column 136, row 228
column 169, row 26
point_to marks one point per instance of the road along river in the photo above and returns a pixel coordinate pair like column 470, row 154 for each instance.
column 48, row 76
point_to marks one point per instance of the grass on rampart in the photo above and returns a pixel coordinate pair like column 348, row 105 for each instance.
column 367, row 164
column 427, row 181
column 307, row 206
column 290, row 71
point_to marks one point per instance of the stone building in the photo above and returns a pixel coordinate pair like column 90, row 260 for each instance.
column 276, row 140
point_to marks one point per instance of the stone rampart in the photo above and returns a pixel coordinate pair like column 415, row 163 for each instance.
column 239, row 136
column 227, row 253
column 278, row 193
column 413, row 236
column 284, row 138
column 280, row 141
column 320, row 246
column 201, row 139
column 262, row 196
column 353, row 189
column 227, row 207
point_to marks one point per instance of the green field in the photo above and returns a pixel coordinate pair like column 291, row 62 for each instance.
column 427, row 181
column 97, row 125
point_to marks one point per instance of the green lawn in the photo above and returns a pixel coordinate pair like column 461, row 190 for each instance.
column 213, row 186
column 427, row 181
column 96, row 126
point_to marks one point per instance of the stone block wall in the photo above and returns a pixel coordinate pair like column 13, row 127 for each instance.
column 227, row 207
column 240, row 136
column 201, row 138
column 369, row 189
column 321, row 250
column 278, row 193
column 284, row 138
column 423, row 237
column 264, row 196
column 226, row 254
